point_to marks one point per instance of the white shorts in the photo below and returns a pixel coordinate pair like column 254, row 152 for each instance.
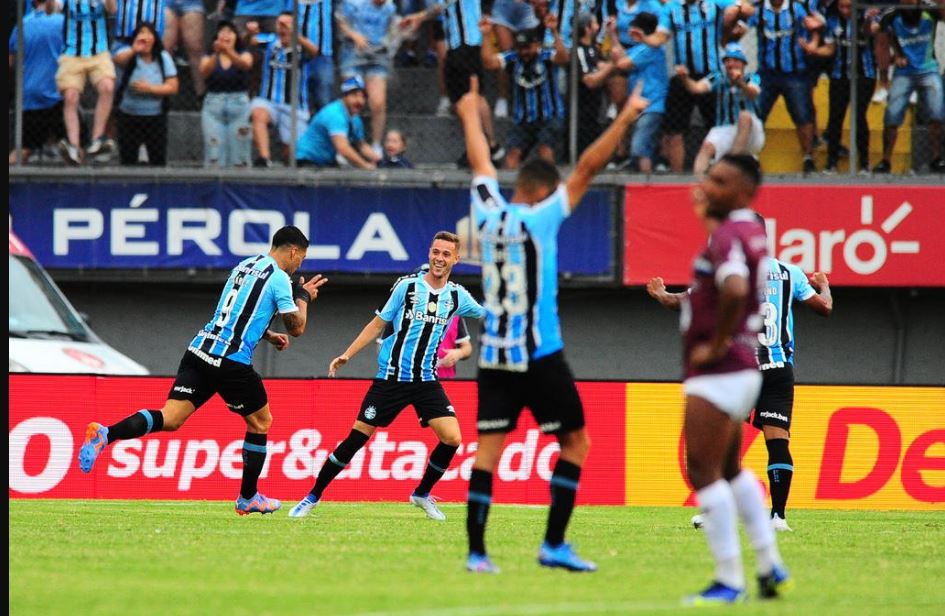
column 733, row 393
column 723, row 137
column 280, row 114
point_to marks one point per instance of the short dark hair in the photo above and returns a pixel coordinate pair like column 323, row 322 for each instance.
column 538, row 173
column 290, row 236
column 747, row 164
column 645, row 21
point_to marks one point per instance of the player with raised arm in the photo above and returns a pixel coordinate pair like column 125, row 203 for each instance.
column 420, row 308
column 520, row 359
column 720, row 320
column 785, row 283
column 219, row 361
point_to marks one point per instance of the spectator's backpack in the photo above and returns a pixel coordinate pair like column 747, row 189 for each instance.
column 126, row 79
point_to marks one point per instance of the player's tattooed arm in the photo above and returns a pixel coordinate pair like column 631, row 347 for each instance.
column 822, row 303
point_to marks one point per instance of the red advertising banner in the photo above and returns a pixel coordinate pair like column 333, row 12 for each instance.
column 202, row 460
column 859, row 235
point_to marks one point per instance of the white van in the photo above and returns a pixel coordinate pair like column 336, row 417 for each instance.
column 46, row 332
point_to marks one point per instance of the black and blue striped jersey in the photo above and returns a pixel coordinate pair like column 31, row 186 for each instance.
column 778, row 34
column 84, row 28
column 730, row 99
column 420, row 316
column 277, row 72
column 131, row 13
column 315, row 24
column 536, row 96
column 460, row 19
column 696, row 31
column 256, row 289
column 784, row 283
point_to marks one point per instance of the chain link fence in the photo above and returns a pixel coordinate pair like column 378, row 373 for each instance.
column 224, row 83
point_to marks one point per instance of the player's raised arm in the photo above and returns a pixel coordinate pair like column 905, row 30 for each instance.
column 822, row 302
column 598, row 153
column 657, row 290
column 477, row 148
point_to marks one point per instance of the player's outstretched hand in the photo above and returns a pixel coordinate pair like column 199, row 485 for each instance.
column 280, row 341
column 336, row 363
column 819, row 280
column 656, row 288
column 313, row 285
column 469, row 103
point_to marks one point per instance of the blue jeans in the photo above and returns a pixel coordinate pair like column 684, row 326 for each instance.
column 931, row 97
column 227, row 134
column 645, row 132
column 797, row 96
column 321, row 81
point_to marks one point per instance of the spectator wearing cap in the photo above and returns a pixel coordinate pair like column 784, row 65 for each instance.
column 738, row 129
column 647, row 64
column 274, row 101
column 509, row 17
column 537, row 107
column 335, row 136
column 787, row 33
column 593, row 75
column 42, row 104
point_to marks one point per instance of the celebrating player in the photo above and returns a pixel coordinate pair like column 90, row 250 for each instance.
column 520, row 360
column 775, row 405
column 219, row 360
column 720, row 321
column 420, row 307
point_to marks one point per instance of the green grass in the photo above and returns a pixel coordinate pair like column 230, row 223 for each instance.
column 127, row 557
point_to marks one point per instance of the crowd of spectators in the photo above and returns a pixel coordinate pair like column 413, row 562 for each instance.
column 684, row 55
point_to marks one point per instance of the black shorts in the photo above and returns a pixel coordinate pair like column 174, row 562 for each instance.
column 547, row 388
column 238, row 384
column 679, row 104
column 386, row 399
column 460, row 65
column 41, row 124
column 776, row 401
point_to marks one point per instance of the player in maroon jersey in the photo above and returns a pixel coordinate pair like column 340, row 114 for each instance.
column 720, row 321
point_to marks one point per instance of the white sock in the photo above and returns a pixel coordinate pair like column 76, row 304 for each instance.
column 720, row 524
column 749, row 499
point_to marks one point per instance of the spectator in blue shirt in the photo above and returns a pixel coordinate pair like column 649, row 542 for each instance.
column 148, row 78
column 42, row 103
column 912, row 34
column 336, row 134
column 263, row 12
column 646, row 64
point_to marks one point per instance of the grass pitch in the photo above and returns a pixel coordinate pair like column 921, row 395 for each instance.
column 132, row 557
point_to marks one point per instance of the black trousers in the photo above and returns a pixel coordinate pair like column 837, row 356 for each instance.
column 839, row 101
column 133, row 131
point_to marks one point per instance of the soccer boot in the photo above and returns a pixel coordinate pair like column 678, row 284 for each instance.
column 96, row 438
column 257, row 504
column 428, row 504
column 775, row 584
column 480, row 563
column 304, row 507
column 563, row 556
column 780, row 524
column 716, row 594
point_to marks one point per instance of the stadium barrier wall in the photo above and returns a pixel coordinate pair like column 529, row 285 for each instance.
column 863, row 236
column 854, row 447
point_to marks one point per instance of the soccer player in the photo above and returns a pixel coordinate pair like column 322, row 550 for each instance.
column 785, row 283
column 720, row 322
column 520, row 360
column 219, row 361
column 420, row 307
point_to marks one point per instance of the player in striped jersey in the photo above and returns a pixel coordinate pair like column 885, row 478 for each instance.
column 420, row 308
column 86, row 57
column 784, row 284
column 219, row 361
column 737, row 125
column 520, row 360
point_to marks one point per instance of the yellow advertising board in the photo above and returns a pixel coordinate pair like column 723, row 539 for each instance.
column 853, row 447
